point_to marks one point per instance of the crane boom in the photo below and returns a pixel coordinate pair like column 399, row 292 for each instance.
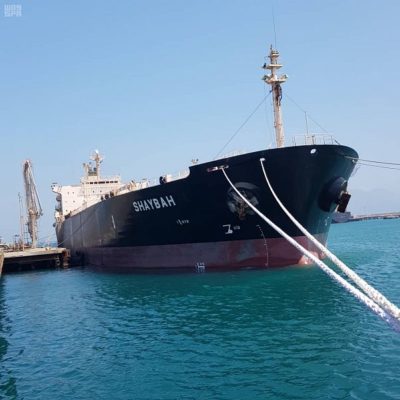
column 33, row 207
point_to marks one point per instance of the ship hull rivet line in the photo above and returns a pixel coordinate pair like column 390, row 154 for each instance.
column 332, row 274
column 374, row 294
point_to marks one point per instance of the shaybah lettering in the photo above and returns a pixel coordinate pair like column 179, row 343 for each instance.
column 155, row 203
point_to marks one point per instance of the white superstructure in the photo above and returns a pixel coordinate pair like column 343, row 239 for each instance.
column 92, row 189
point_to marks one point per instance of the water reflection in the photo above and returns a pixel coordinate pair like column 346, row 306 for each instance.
column 8, row 386
column 285, row 333
column 246, row 325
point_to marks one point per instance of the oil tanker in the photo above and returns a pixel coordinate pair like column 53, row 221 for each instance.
column 196, row 220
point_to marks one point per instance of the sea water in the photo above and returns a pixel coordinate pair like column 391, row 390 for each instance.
column 287, row 333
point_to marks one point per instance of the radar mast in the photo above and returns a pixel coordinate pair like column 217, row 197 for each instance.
column 98, row 159
column 275, row 81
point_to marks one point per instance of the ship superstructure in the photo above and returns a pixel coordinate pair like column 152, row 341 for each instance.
column 92, row 189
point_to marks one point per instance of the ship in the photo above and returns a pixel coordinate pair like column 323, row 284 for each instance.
column 196, row 220
column 341, row 217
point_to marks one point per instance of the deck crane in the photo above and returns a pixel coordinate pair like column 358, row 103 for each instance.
column 34, row 209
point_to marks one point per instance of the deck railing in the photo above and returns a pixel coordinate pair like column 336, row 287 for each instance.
column 313, row 138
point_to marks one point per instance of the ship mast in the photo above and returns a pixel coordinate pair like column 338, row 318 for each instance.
column 275, row 81
column 97, row 158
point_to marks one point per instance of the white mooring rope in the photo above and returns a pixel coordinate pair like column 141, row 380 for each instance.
column 349, row 287
column 374, row 294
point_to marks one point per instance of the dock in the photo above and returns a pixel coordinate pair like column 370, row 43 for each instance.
column 365, row 217
column 38, row 258
column 348, row 217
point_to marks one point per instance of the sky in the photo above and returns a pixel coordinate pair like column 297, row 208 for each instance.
column 153, row 84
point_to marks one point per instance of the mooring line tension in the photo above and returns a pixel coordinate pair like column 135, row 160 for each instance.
column 374, row 294
column 332, row 274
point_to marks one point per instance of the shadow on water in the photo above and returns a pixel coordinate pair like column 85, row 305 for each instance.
column 8, row 387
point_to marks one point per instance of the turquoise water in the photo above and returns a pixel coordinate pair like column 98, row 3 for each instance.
column 289, row 333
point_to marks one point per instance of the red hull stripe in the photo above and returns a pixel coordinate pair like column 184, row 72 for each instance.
column 218, row 255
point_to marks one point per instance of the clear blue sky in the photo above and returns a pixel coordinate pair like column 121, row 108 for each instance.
column 153, row 84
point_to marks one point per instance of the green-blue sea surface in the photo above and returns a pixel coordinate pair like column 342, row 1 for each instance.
column 288, row 333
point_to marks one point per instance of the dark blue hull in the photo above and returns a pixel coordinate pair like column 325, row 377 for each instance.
column 199, row 220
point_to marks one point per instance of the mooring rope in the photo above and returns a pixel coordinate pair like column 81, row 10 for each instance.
column 332, row 274
column 372, row 161
column 374, row 294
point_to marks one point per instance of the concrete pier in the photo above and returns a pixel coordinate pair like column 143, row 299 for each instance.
column 39, row 258
column 391, row 215
column 348, row 217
